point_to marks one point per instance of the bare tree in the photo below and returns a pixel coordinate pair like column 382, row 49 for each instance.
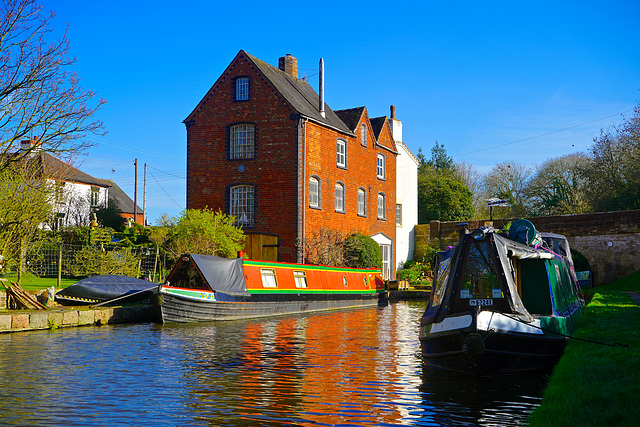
column 507, row 180
column 40, row 97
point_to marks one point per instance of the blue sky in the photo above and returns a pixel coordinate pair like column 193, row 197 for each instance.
column 493, row 81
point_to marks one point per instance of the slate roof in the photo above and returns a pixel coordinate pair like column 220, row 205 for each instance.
column 299, row 94
column 351, row 117
column 377, row 124
column 125, row 204
column 47, row 166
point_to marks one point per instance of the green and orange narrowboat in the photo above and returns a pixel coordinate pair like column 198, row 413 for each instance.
column 204, row 287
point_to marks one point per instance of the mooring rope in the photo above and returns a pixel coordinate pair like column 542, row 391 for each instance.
column 616, row 344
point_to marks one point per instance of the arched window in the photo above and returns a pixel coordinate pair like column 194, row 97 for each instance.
column 362, row 202
column 314, row 192
column 242, row 204
column 242, row 142
column 339, row 197
column 382, row 208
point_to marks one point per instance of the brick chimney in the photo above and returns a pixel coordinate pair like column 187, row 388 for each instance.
column 28, row 144
column 289, row 65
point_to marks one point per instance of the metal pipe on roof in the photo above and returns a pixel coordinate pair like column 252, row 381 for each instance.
column 321, row 90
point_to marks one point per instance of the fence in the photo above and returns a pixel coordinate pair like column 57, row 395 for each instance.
column 63, row 260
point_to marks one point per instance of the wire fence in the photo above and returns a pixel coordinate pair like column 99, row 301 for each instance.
column 65, row 260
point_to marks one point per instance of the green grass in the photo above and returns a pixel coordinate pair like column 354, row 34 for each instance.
column 33, row 283
column 596, row 385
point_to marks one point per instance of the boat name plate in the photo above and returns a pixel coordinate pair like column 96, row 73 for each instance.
column 483, row 302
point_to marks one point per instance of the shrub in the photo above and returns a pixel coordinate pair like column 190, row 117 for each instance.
column 361, row 251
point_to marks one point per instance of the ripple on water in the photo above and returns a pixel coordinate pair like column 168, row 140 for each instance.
column 359, row 367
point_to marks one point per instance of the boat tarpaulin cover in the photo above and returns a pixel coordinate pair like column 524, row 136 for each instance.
column 106, row 287
column 222, row 274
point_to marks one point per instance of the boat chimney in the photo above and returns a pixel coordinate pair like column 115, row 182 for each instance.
column 321, row 90
column 463, row 228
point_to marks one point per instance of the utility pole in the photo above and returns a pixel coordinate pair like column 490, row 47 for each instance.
column 135, row 192
column 144, row 198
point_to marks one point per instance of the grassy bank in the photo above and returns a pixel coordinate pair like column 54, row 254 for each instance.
column 31, row 282
column 595, row 384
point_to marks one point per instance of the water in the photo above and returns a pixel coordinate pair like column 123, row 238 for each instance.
column 350, row 368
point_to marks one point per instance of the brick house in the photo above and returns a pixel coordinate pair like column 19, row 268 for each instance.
column 263, row 146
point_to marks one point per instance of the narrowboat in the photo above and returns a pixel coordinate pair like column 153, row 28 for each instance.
column 205, row 287
column 106, row 288
column 501, row 302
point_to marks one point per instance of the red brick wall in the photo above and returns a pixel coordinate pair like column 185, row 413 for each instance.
column 272, row 171
column 360, row 172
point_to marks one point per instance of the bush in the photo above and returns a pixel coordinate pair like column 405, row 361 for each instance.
column 361, row 251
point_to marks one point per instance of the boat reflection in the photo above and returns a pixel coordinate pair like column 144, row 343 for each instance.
column 358, row 367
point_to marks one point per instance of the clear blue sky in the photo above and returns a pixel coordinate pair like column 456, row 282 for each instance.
column 492, row 81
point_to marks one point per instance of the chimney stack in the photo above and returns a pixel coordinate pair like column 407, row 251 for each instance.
column 321, row 88
column 289, row 65
column 396, row 125
column 28, row 144
column 393, row 112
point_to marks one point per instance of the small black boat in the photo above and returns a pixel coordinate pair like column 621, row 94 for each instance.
column 100, row 289
column 501, row 303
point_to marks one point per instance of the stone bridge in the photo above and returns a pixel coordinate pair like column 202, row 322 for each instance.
column 610, row 241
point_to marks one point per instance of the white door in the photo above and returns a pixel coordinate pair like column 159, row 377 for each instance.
column 386, row 261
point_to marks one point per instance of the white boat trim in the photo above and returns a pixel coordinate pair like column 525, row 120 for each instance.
column 490, row 320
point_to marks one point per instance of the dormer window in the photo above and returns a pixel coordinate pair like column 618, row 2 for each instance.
column 242, row 89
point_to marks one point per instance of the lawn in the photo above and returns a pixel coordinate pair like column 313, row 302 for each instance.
column 596, row 384
column 34, row 283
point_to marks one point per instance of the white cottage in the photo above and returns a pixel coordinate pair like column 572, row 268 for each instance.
column 76, row 194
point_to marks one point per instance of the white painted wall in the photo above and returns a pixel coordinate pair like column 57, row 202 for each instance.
column 406, row 195
column 75, row 202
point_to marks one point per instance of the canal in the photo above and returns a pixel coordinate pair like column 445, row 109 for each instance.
column 359, row 367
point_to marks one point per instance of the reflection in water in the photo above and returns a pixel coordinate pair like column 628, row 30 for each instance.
column 359, row 367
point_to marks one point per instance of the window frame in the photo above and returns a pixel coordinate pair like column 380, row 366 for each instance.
column 363, row 134
column 300, row 279
column 239, row 150
column 340, row 208
column 236, row 191
column 241, row 87
column 269, row 273
column 341, row 157
column 95, row 197
column 318, row 195
column 363, row 211
column 381, row 166
column 383, row 206
column 399, row 214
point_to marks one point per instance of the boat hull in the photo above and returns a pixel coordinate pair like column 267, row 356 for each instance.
column 197, row 306
column 492, row 353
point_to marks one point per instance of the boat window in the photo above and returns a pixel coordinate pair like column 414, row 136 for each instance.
column 344, row 280
column 268, row 278
column 480, row 279
column 366, row 284
column 187, row 276
column 300, row 277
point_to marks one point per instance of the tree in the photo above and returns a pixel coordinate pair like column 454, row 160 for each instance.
column 24, row 206
column 443, row 198
column 109, row 216
column 40, row 97
column 441, row 194
column 205, row 232
column 615, row 166
column 507, row 181
column 559, row 186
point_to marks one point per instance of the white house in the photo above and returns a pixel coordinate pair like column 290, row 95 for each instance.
column 406, row 195
column 75, row 193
